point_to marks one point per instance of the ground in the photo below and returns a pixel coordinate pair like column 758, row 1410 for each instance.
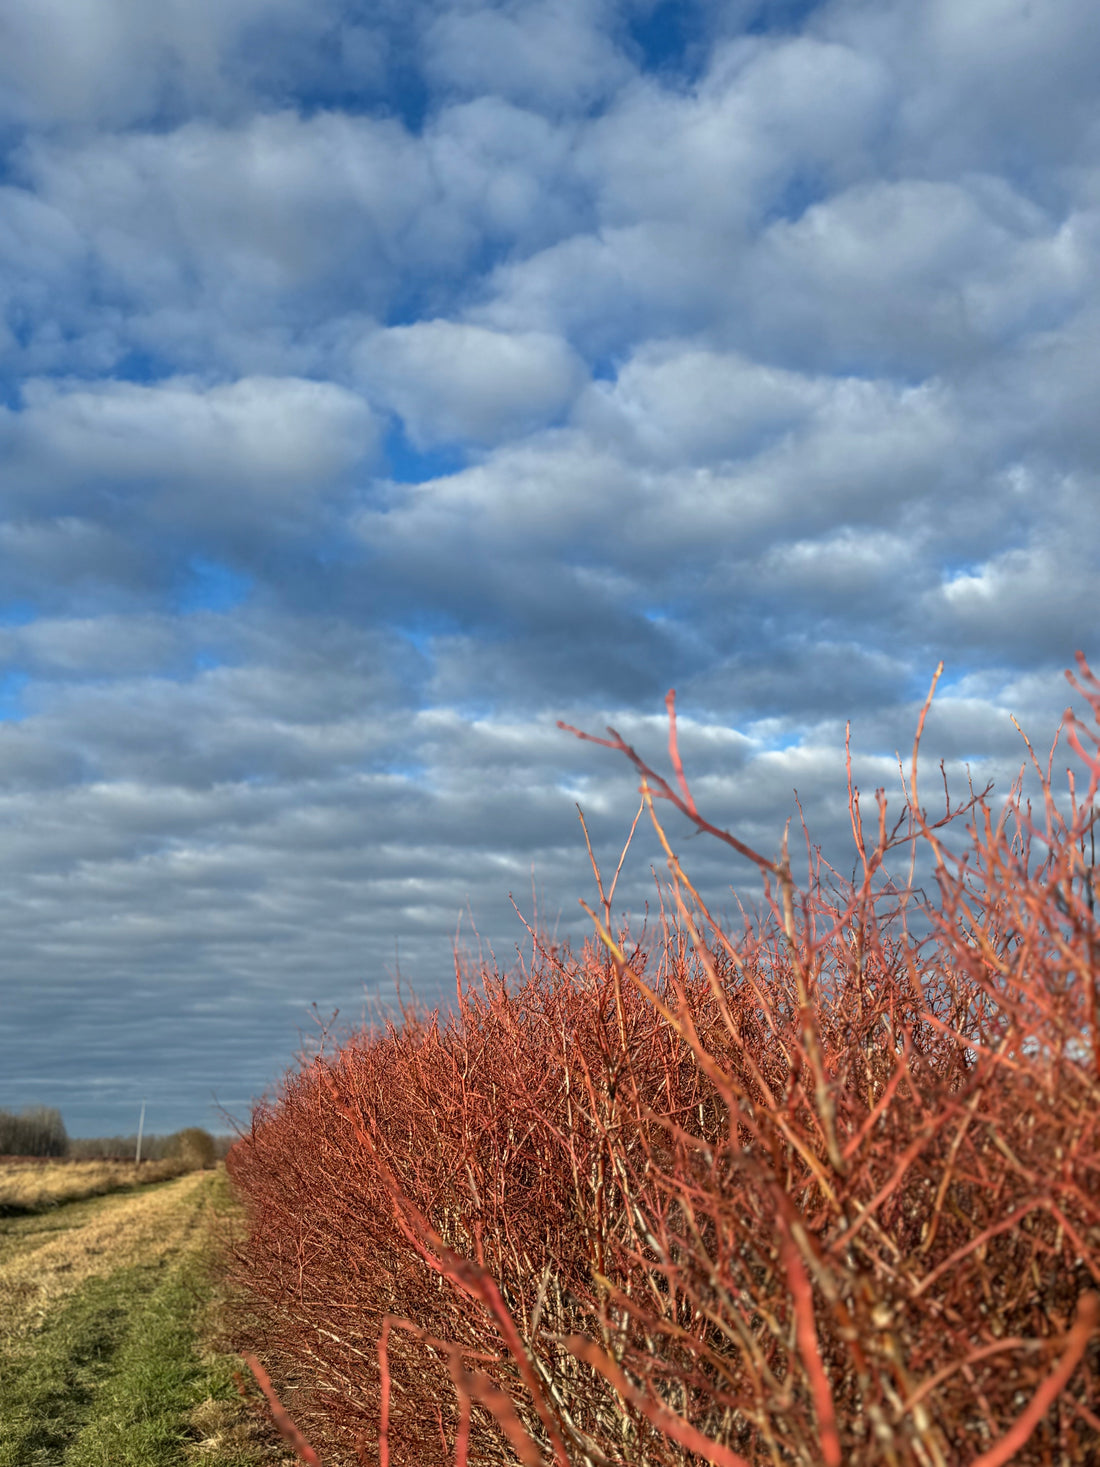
column 109, row 1352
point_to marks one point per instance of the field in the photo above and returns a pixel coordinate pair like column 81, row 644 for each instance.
column 108, row 1320
column 27, row 1185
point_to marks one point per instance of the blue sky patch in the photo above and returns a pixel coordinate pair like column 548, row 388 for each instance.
column 408, row 464
column 17, row 614
column 668, row 33
column 12, row 686
column 212, row 586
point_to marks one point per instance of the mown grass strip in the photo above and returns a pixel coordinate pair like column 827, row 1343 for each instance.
column 116, row 1378
column 24, row 1232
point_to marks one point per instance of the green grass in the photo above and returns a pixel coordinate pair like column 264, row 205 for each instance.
column 118, row 1377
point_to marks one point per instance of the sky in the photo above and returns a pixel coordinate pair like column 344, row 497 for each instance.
column 383, row 381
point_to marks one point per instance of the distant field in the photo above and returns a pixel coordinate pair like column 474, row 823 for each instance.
column 106, row 1318
column 31, row 1186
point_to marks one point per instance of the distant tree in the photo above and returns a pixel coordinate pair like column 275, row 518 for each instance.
column 121, row 1148
column 195, row 1147
column 10, row 1134
column 37, row 1130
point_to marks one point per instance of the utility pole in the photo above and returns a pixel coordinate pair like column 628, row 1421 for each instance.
column 141, row 1128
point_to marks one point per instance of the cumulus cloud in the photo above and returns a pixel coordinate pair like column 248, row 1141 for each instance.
column 914, row 276
column 1027, row 600
column 995, row 85
column 679, row 403
column 270, row 205
column 117, row 63
column 180, row 450
column 265, row 244
column 768, row 113
column 450, row 381
column 556, row 55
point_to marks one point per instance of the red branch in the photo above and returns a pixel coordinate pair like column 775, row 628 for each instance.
column 802, row 1189
column 1088, row 1313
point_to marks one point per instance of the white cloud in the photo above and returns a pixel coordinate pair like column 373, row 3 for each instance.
column 267, row 205
column 996, row 83
column 267, row 242
column 552, row 55
column 1034, row 599
column 69, row 555
column 91, row 646
column 275, row 439
column 509, row 167
column 680, row 403
column 913, row 275
column 690, row 454
column 40, row 250
column 113, row 63
column 840, row 565
column 460, row 382
column 767, row 113
column 1041, row 397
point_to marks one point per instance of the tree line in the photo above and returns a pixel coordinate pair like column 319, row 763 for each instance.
column 38, row 1130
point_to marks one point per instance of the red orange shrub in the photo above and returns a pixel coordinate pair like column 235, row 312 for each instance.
column 827, row 1191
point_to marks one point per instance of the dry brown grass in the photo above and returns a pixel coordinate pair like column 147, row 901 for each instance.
column 229, row 1431
column 31, row 1186
column 40, row 1271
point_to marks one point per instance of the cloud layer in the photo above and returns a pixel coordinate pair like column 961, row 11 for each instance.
column 381, row 383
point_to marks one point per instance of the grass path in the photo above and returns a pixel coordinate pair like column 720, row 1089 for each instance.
column 103, row 1308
